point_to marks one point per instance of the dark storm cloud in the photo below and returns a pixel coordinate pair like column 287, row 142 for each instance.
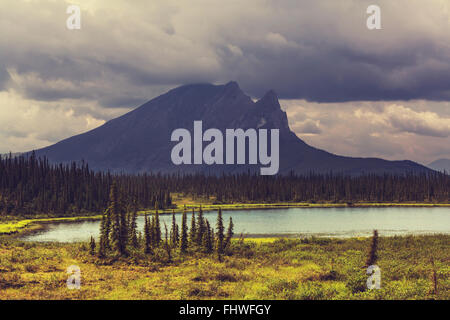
column 318, row 51
column 333, row 78
column 336, row 71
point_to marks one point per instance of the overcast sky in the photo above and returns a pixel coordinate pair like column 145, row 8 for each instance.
column 349, row 90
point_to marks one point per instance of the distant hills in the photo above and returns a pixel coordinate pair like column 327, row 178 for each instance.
column 139, row 141
column 440, row 165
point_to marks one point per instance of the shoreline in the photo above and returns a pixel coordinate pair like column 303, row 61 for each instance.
column 21, row 227
column 254, row 237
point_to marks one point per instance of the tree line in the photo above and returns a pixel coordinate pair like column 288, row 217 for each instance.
column 119, row 235
column 31, row 186
column 333, row 187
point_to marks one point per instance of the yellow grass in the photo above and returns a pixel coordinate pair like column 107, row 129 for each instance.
column 258, row 269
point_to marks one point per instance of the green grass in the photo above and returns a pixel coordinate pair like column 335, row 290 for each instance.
column 311, row 268
column 13, row 226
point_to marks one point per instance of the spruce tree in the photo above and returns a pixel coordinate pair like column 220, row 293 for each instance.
column 167, row 245
column 200, row 226
column 119, row 235
column 174, row 231
column 105, row 230
column 139, row 238
column 229, row 235
column 193, row 231
column 207, row 238
column 372, row 256
column 184, row 234
column 114, row 210
column 213, row 241
column 147, row 236
column 157, row 229
column 101, row 249
column 92, row 246
column 124, row 232
column 220, row 235
column 133, row 228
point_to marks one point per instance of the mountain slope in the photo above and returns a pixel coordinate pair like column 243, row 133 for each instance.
column 139, row 141
column 440, row 165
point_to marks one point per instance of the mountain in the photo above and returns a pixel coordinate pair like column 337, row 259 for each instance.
column 440, row 165
column 140, row 141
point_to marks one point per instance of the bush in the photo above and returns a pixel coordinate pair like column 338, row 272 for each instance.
column 357, row 283
column 226, row 276
column 311, row 291
column 31, row 268
column 282, row 289
column 329, row 276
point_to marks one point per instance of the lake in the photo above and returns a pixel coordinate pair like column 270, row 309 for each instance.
column 327, row 222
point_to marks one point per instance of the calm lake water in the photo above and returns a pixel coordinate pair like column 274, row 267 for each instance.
column 328, row 222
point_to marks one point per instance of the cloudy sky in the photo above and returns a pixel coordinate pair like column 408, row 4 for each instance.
column 346, row 89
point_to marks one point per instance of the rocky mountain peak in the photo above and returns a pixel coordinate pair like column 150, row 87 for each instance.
column 140, row 141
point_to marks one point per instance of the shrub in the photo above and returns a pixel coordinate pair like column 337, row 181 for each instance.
column 357, row 283
column 282, row 288
column 31, row 268
column 310, row 291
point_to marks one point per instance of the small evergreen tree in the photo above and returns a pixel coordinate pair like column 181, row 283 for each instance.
column 167, row 245
column 92, row 246
column 220, row 235
column 174, row 231
column 119, row 235
column 193, row 231
column 140, row 238
column 200, row 227
column 114, row 210
column 147, row 236
column 184, row 234
column 105, row 229
column 124, row 232
column 372, row 257
column 213, row 240
column 229, row 235
column 207, row 238
column 133, row 228
column 157, row 229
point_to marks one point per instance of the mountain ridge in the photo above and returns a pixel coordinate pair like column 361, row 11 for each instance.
column 139, row 141
column 440, row 165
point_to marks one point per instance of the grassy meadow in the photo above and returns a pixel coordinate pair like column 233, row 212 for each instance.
column 412, row 267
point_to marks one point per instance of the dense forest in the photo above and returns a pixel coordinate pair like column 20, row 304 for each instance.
column 30, row 185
